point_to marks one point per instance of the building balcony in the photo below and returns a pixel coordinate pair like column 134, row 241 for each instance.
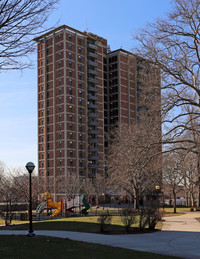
column 93, row 148
column 92, row 71
column 91, row 88
column 91, row 54
column 92, row 114
column 93, row 140
column 90, row 62
column 93, row 131
column 92, row 97
column 91, row 105
column 91, row 175
column 95, row 166
column 93, row 157
column 91, row 122
column 92, row 46
column 93, row 80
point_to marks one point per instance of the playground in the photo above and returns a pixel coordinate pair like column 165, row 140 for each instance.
column 75, row 206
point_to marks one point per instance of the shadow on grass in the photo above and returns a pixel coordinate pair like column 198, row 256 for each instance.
column 49, row 247
column 76, row 226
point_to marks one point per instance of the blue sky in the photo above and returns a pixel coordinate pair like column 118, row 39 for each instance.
column 115, row 20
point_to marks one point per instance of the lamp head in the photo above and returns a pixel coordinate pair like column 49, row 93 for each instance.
column 30, row 167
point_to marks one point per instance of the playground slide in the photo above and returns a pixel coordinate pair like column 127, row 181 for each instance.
column 86, row 204
column 40, row 207
column 59, row 208
column 76, row 202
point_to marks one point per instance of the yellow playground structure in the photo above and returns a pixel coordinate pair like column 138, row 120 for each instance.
column 63, row 206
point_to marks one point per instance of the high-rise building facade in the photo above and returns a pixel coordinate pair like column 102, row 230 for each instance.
column 83, row 90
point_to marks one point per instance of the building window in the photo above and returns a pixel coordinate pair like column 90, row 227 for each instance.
column 79, row 58
column 70, row 81
column 80, row 93
column 71, row 163
column 79, row 41
column 79, row 76
column 71, row 153
column 80, row 84
column 70, row 108
column 79, row 50
column 70, row 55
column 70, row 117
column 70, row 46
column 70, row 91
column 70, row 99
column 70, row 37
column 70, row 72
column 70, row 63
column 71, row 144
column 81, row 162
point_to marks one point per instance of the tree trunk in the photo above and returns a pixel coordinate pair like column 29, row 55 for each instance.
column 186, row 196
column 174, row 205
column 198, row 186
column 137, row 202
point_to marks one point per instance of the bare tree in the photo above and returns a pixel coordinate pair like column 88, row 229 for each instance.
column 190, row 180
column 134, row 163
column 73, row 184
column 94, row 187
column 20, row 21
column 173, row 43
column 14, row 190
column 172, row 174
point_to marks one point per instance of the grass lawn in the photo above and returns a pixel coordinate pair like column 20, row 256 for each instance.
column 84, row 224
column 182, row 210
column 49, row 247
column 79, row 224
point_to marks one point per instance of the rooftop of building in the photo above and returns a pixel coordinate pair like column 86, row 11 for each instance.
column 61, row 28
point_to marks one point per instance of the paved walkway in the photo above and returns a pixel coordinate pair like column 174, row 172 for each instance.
column 180, row 237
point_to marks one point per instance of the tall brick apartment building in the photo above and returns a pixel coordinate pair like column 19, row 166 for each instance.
column 83, row 90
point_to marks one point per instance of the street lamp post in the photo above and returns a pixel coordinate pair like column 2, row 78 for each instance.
column 103, row 194
column 30, row 167
column 157, row 187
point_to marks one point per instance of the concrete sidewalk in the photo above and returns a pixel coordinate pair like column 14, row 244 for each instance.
column 186, row 222
column 183, row 242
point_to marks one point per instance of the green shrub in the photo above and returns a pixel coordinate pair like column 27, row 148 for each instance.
column 104, row 220
column 150, row 217
column 128, row 218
